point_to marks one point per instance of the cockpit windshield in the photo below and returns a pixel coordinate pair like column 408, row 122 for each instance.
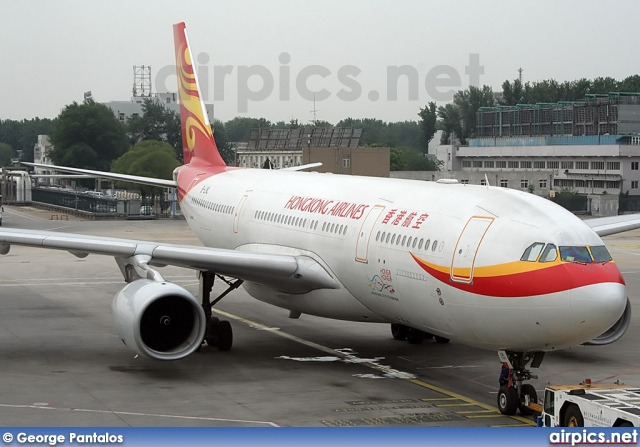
column 541, row 252
column 575, row 254
column 600, row 253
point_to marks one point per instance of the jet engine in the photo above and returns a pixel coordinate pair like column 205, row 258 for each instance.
column 159, row 320
column 616, row 331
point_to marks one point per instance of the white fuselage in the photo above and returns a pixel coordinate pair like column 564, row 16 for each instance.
column 443, row 258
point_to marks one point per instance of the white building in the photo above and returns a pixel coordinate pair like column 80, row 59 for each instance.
column 606, row 164
column 124, row 110
column 41, row 152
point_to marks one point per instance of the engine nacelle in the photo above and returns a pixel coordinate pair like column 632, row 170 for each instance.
column 159, row 320
column 616, row 331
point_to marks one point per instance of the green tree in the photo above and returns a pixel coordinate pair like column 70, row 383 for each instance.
column 512, row 93
column 469, row 101
column 238, row 128
column 321, row 123
column 6, row 154
column 450, row 122
column 23, row 135
column 222, row 142
column 427, row 123
column 396, row 160
column 149, row 158
column 417, row 161
column 156, row 123
column 88, row 129
column 404, row 133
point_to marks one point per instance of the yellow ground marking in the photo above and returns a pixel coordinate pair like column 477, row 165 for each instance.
column 451, row 395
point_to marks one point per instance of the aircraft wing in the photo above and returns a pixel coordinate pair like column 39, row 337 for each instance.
column 286, row 273
column 111, row 175
column 614, row 224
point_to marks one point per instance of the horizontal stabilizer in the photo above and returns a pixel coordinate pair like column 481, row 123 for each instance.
column 110, row 175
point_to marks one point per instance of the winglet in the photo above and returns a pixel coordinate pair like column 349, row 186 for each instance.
column 198, row 144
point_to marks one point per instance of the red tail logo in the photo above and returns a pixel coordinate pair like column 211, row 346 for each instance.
column 198, row 144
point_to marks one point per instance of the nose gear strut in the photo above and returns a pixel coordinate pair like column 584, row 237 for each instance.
column 513, row 394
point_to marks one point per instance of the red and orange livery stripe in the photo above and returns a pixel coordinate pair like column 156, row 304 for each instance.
column 521, row 278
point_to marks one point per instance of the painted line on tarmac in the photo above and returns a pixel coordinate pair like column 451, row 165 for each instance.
column 384, row 369
column 132, row 413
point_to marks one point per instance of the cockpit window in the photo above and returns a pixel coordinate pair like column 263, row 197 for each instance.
column 549, row 254
column 600, row 253
column 532, row 252
column 575, row 254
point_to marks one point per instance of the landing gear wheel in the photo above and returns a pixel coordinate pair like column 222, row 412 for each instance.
column 508, row 400
column 573, row 417
column 415, row 336
column 527, row 390
column 219, row 334
column 225, row 335
column 441, row 339
column 210, row 335
column 399, row 331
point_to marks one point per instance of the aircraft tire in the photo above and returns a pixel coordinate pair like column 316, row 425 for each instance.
column 211, row 336
column 508, row 400
column 441, row 339
column 529, row 390
column 399, row 331
column 224, row 335
column 415, row 336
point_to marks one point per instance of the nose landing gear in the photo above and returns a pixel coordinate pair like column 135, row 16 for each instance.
column 514, row 395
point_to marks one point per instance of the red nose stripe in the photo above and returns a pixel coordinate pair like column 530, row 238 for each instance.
column 540, row 280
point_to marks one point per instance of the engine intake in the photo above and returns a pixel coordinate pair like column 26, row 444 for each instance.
column 616, row 331
column 159, row 320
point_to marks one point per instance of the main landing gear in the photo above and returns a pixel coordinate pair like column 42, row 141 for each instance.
column 219, row 332
column 514, row 395
column 412, row 335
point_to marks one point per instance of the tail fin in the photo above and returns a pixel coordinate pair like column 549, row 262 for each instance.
column 197, row 138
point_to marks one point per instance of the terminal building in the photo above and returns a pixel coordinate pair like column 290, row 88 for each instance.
column 587, row 147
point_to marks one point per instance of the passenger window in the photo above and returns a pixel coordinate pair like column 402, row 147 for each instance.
column 426, row 244
column 532, row 252
column 393, row 239
column 549, row 254
column 575, row 254
column 378, row 236
column 600, row 253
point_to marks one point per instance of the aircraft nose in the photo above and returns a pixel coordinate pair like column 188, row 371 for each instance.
column 599, row 306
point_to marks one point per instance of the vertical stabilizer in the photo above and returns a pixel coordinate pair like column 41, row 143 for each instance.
column 197, row 139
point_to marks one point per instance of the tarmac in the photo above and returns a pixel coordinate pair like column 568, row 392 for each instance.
column 63, row 363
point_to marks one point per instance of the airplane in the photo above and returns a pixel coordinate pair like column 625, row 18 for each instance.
column 488, row 267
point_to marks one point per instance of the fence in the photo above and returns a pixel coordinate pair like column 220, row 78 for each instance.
column 105, row 207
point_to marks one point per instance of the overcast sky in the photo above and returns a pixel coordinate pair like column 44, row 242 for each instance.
column 345, row 50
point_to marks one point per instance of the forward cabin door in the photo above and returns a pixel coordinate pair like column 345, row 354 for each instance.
column 364, row 237
column 464, row 256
